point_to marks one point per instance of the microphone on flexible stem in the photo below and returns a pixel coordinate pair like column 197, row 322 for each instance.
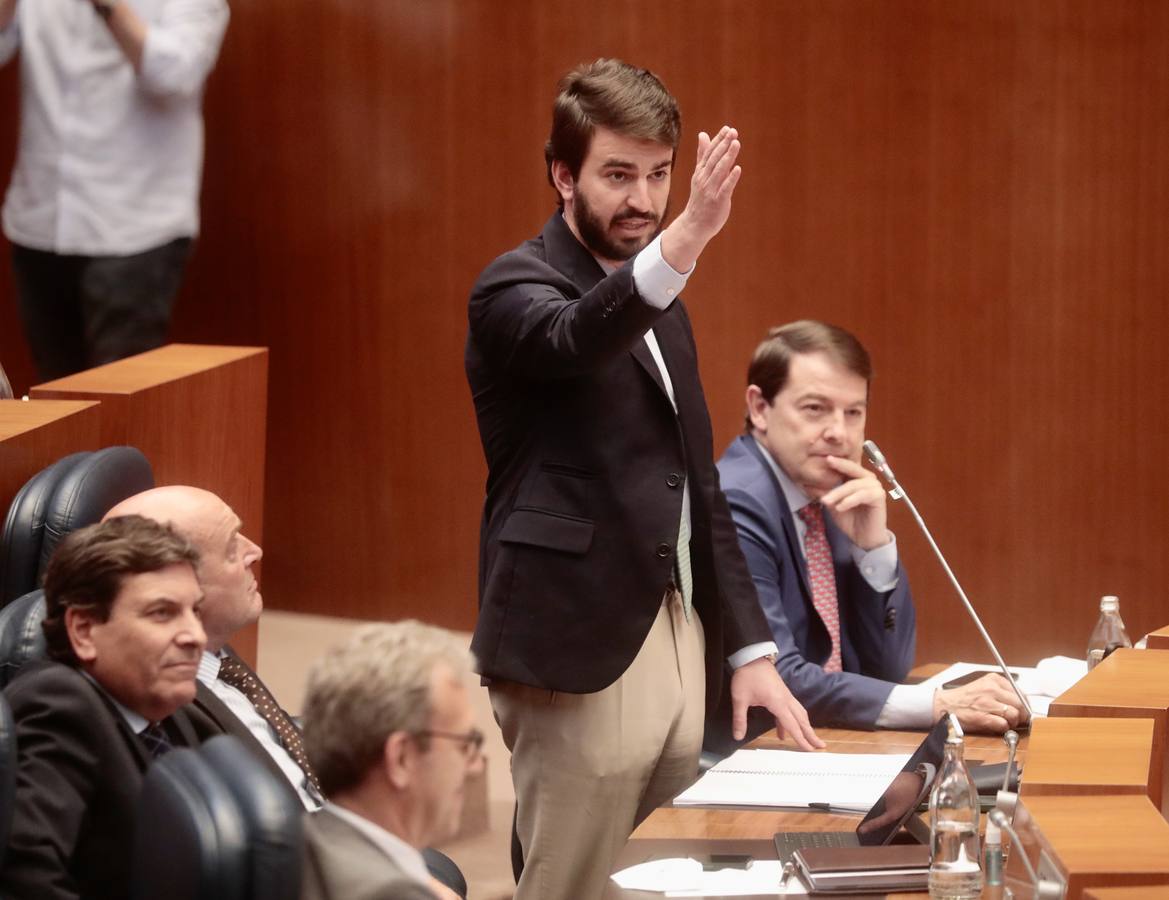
column 877, row 459
column 1012, row 739
column 1045, row 888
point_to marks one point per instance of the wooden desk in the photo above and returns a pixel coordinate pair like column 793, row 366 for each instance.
column 673, row 831
column 1076, row 756
column 1128, row 684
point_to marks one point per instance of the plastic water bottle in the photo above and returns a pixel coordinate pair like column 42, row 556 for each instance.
column 955, row 870
column 1109, row 633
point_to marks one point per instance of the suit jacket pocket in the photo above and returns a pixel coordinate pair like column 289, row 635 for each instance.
column 541, row 528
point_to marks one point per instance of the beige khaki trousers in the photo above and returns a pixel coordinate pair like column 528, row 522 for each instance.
column 587, row 768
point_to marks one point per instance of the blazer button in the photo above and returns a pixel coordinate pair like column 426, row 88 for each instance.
column 673, row 479
column 663, row 550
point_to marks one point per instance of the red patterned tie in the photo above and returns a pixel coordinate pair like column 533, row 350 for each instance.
column 823, row 578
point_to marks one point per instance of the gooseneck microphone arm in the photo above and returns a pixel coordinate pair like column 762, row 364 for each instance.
column 877, row 459
column 1045, row 888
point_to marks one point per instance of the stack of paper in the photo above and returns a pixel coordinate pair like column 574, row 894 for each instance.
column 846, row 781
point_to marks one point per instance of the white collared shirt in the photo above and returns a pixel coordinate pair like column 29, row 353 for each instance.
column 109, row 160
column 659, row 284
column 407, row 858
column 258, row 726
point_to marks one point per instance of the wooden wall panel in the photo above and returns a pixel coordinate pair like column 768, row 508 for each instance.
column 978, row 189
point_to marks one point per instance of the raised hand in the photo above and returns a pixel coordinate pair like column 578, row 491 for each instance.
column 711, row 187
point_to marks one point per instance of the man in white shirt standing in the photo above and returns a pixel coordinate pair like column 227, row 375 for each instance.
column 103, row 204
column 391, row 733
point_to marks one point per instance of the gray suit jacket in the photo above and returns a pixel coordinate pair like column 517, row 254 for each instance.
column 341, row 863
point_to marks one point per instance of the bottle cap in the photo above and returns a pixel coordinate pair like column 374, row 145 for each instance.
column 1109, row 604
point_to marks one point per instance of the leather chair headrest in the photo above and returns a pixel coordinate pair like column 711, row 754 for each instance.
column 24, row 526
column 272, row 816
column 7, row 772
column 190, row 838
column 87, row 490
column 21, row 638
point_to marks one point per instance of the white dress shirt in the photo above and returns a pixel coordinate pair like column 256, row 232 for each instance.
column 659, row 284
column 110, row 159
column 243, row 710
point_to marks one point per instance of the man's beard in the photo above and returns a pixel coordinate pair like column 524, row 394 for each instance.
column 596, row 236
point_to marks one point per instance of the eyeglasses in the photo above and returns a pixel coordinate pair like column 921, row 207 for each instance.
column 472, row 741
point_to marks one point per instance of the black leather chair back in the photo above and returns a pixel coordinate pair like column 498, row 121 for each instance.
column 24, row 527
column 7, row 773
column 73, row 492
column 190, row 838
column 87, row 490
column 272, row 817
column 21, row 637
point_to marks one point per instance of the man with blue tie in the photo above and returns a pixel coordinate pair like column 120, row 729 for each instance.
column 812, row 525
column 123, row 631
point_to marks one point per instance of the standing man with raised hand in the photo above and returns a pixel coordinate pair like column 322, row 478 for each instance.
column 612, row 589
column 103, row 204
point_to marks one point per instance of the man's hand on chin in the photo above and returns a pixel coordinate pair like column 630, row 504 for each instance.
column 857, row 504
column 758, row 684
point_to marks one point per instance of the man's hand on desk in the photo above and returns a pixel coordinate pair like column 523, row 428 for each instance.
column 988, row 705
column 758, row 684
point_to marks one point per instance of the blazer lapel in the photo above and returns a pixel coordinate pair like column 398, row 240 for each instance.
column 786, row 519
column 570, row 257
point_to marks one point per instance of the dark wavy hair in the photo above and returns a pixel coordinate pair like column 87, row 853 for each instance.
column 614, row 95
column 87, row 569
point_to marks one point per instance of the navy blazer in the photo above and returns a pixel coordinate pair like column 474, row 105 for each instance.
column 79, row 772
column 587, row 460
column 877, row 630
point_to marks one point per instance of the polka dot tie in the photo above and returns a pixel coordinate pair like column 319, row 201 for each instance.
column 823, row 578
column 234, row 671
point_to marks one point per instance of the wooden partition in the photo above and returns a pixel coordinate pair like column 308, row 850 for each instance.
column 1070, row 756
column 37, row 433
column 1101, row 841
column 977, row 188
column 198, row 413
column 1159, row 639
column 1128, row 684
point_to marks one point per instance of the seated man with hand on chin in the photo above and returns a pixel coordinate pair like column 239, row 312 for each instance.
column 812, row 524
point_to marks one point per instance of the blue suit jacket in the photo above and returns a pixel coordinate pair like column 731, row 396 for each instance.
column 877, row 630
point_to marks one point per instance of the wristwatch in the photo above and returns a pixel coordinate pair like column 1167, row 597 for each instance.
column 104, row 8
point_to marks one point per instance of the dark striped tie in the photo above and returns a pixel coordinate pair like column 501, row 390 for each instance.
column 156, row 739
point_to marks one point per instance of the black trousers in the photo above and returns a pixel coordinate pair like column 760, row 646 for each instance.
column 85, row 311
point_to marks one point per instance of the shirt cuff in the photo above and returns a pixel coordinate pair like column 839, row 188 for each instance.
column 655, row 279
column 750, row 653
column 879, row 565
column 908, row 706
